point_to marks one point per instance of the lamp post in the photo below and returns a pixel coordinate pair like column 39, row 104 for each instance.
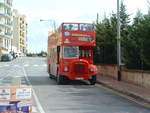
column 52, row 22
column 118, row 42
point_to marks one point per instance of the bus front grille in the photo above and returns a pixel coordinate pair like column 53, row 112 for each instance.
column 80, row 68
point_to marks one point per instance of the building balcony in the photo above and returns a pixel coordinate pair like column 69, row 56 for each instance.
column 9, row 35
column 6, row 13
column 5, row 35
column 7, row 5
column 6, row 25
column 2, row 33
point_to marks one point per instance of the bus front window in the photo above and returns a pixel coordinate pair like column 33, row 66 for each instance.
column 70, row 27
column 71, row 52
column 86, row 27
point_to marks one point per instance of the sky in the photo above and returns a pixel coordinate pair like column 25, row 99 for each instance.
column 66, row 11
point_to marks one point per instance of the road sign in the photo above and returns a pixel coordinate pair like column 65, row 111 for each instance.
column 16, row 99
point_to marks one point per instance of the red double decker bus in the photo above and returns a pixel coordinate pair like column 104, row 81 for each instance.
column 70, row 53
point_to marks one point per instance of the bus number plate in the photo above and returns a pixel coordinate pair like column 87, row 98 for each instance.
column 79, row 78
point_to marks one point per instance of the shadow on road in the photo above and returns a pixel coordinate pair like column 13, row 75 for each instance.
column 45, row 80
column 78, row 82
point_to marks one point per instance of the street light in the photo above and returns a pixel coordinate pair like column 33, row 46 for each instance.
column 52, row 22
column 118, row 42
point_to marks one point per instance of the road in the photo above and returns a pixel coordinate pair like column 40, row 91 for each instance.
column 77, row 97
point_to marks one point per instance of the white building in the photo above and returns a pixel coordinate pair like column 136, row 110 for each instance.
column 5, row 26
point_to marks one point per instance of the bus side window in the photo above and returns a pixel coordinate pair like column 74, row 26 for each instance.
column 83, row 53
column 80, row 54
column 86, row 53
column 90, row 53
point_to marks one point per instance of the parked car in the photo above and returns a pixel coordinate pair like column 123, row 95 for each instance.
column 20, row 55
column 6, row 57
column 13, row 54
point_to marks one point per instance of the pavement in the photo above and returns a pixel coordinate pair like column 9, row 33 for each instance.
column 139, row 93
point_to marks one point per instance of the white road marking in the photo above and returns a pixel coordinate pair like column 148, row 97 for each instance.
column 5, row 76
column 26, row 65
column 34, row 110
column 44, row 65
column 34, row 94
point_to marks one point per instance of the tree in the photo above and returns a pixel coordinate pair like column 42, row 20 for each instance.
column 124, row 28
column 135, row 40
column 106, row 41
column 107, row 36
column 137, row 44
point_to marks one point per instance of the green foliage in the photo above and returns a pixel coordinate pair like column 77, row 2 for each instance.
column 40, row 54
column 107, row 37
column 106, row 41
column 137, row 46
column 135, row 40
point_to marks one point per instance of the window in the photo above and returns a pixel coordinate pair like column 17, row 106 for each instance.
column 70, row 27
column 86, row 27
column 85, row 53
column 71, row 52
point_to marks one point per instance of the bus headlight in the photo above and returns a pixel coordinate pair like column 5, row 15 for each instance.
column 91, row 69
column 66, row 69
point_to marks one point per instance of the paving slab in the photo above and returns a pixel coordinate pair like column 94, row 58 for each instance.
column 135, row 91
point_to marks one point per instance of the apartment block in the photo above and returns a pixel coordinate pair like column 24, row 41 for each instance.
column 5, row 26
column 19, row 42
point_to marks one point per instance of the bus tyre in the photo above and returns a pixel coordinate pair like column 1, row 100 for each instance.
column 48, row 69
column 93, row 80
column 61, row 80
column 50, row 75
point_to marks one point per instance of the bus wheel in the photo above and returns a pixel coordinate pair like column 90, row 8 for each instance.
column 48, row 68
column 51, row 76
column 49, row 72
column 93, row 80
column 61, row 80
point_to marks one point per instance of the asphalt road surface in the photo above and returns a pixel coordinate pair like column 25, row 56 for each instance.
column 77, row 97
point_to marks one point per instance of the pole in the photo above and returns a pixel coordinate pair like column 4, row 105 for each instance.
column 97, row 19
column 118, row 42
column 52, row 23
